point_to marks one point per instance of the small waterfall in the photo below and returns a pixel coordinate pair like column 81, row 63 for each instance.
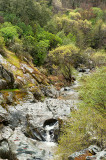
column 50, row 132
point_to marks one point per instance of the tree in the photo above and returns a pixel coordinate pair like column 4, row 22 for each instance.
column 8, row 32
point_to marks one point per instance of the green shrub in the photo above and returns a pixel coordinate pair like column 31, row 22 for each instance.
column 93, row 92
column 66, row 57
column 98, row 12
column 79, row 130
column 99, row 58
column 54, row 40
column 74, row 15
column 41, row 52
column 8, row 32
column 98, row 35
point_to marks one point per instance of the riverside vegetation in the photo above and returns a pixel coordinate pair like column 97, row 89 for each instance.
column 51, row 41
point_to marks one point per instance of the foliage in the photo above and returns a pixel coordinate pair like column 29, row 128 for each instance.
column 98, row 35
column 68, row 54
column 9, row 32
column 99, row 58
column 98, row 12
column 27, row 10
column 28, row 25
column 2, row 43
column 86, row 125
column 78, row 131
column 41, row 48
column 54, row 40
column 95, row 86
column 74, row 15
column 66, row 57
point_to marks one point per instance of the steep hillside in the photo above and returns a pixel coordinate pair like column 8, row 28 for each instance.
column 19, row 77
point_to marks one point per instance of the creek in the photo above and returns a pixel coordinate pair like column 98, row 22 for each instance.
column 33, row 128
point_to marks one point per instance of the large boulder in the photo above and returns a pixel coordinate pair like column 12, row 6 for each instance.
column 91, row 153
column 23, row 148
column 98, row 156
column 50, row 91
column 80, row 155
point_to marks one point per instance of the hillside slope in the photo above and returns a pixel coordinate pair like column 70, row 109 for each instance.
column 20, row 76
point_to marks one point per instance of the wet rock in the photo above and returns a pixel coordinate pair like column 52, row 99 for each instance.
column 51, row 127
column 87, row 70
column 32, row 116
column 66, row 88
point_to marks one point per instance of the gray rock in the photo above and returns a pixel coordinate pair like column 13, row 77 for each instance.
column 3, row 114
column 5, row 133
column 6, row 78
column 77, row 154
column 98, row 156
column 94, row 149
column 29, row 121
column 1, row 98
column 23, row 147
column 4, row 149
column 50, row 91
column 91, row 157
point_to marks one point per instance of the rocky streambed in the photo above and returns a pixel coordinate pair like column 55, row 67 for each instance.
column 30, row 130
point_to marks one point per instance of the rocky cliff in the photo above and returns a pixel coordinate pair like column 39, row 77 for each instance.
column 18, row 78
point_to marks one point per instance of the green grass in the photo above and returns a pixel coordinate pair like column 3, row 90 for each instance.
column 9, row 90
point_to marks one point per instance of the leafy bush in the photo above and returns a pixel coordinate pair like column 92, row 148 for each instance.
column 98, row 35
column 51, row 26
column 9, row 32
column 41, row 52
column 98, row 12
column 74, row 15
column 54, row 40
column 66, row 57
column 79, row 130
column 94, row 89
column 63, row 53
column 99, row 58
column 69, row 39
